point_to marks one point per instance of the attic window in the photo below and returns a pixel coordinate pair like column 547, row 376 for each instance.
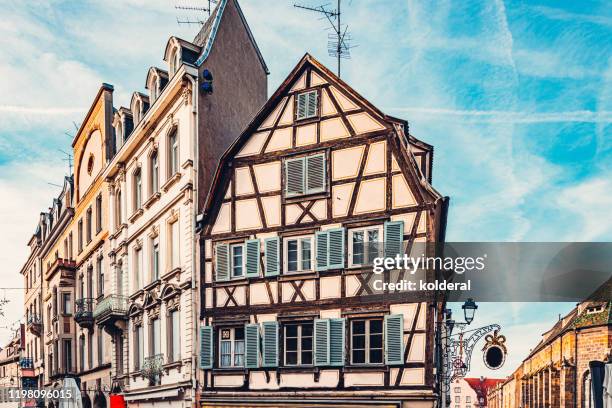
column 594, row 309
column 307, row 105
column 305, row 175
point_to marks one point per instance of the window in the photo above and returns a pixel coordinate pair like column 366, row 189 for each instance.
column 137, row 190
column 457, row 399
column 237, row 260
column 174, row 61
column 138, row 283
column 118, row 219
column 305, row 175
column 306, row 105
column 468, row 398
column 457, row 390
column 153, row 89
column 298, row 344
column 173, row 153
column 67, row 352
column 231, row 347
column 174, row 353
column 154, row 259
column 154, row 173
column 298, row 254
column 118, row 135
column 138, row 347
column 136, row 112
column 100, row 338
column 88, row 226
column 66, row 304
column 90, row 349
column 100, row 277
column 155, row 342
column 99, row 213
column 80, row 235
column 367, row 341
column 365, row 245
column 174, row 245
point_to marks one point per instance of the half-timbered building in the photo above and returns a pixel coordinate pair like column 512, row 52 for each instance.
column 319, row 184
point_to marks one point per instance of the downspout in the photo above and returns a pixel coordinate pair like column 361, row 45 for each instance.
column 196, row 160
column 575, row 366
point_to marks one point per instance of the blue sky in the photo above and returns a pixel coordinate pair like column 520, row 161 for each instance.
column 515, row 96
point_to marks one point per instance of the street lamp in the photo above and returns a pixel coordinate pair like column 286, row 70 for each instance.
column 469, row 308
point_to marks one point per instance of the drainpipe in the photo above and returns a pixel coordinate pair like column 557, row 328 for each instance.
column 196, row 160
column 575, row 367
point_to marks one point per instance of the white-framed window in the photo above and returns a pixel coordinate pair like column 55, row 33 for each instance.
column 367, row 341
column 237, row 260
column 174, row 330
column 154, row 258
column 307, row 105
column 173, row 246
column 138, row 282
column 173, row 153
column 231, row 347
column 365, row 245
column 154, row 173
column 299, row 253
column 298, row 343
column 137, row 189
column 305, row 175
column 138, row 347
column 153, row 89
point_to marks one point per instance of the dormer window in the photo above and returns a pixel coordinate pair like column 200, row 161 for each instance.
column 174, row 61
column 118, row 135
column 153, row 89
column 136, row 112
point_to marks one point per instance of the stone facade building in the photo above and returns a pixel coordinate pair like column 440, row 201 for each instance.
column 557, row 371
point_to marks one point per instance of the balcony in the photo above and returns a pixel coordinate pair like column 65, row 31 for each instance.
column 66, row 269
column 110, row 311
column 26, row 362
column 83, row 313
column 35, row 324
column 152, row 367
column 61, row 372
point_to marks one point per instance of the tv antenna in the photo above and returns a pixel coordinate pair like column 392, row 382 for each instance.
column 338, row 44
column 67, row 159
column 197, row 20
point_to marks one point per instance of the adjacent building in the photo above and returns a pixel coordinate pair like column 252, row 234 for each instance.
column 318, row 184
column 558, row 371
column 10, row 358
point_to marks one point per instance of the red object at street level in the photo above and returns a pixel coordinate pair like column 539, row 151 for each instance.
column 117, row 401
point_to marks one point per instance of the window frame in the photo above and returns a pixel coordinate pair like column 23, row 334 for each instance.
column 155, row 259
column 300, row 249
column 299, row 339
column 173, row 152
column 98, row 213
column 232, row 340
column 231, row 260
column 66, row 303
column 367, row 335
column 365, row 230
column 305, row 190
column 317, row 94
column 154, row 176
column 137, row 186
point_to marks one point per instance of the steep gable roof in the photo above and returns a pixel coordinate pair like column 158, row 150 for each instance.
column 206, row 36
column 290, row 84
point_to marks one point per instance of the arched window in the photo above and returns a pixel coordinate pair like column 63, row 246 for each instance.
column 137, row 189
column 119, row 135
column 154, row 173
column 173, row 153
column 587, row 398
column 174, row 61
column 153, row 89
column 136, row 112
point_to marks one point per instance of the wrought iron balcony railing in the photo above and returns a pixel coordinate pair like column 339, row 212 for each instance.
column 152, row 367
column 34, row 324
column 112, row 306
column 83, row 313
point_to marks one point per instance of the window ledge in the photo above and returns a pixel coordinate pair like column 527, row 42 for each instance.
column 136, row 294
column 151, row 285
column 175, row 364
column 118, row 231
column 136, row 215
column 151, row 200
column 173, row 179
column 289, row 276
column 171, row 274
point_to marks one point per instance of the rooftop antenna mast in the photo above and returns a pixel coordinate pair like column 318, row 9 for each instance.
column 69, row 160
column 338, row 44
column 198, row 20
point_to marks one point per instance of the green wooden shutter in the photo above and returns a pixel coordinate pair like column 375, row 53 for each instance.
column 394, row 238
column 322, row 238
column 295, row 174
column 270, row 344
column 252, row 258
column 272, row 246
column 311, row 104
column 394, row 339
column 336, row 341
column 251, row 350
column 222, row 262
column 315, row 173
column 321, row 342
column 206, row 347
column 301, row 106
column 336, row 248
